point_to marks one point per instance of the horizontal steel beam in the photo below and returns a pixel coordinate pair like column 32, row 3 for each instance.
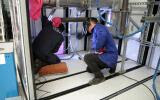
column 150, row 19
column 80, row 3
column 80, row 19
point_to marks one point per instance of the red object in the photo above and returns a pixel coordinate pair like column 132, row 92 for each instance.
column 102, row 50
column 35, row 9
column 56, row 21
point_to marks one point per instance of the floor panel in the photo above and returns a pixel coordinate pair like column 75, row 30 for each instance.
column 140, row 74
column 99, row 91
column 65, row 84
column 104, row 89
column 138, row 93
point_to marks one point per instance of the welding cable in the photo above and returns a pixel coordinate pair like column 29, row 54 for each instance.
column 154, row 80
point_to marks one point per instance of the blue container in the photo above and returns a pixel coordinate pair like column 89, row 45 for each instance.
column 8, row 79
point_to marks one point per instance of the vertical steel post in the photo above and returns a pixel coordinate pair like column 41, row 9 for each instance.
column 143, row 52
column 123, row 29
column 87, row 38
column 67, row 27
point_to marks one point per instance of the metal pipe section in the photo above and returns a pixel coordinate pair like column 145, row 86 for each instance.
column 150, row 19
column 80, row 19
column 79, row 3
column 134, row 23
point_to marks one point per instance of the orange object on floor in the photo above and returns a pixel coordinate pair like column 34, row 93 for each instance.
column 53, row 69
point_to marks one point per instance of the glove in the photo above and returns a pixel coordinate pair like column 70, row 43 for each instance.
column 101, row 51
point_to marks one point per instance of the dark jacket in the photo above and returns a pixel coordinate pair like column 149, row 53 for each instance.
column 48, row 41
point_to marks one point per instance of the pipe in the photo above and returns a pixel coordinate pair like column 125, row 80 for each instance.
column 78, row 3
column 124, row 21
column 80, row 19
column 134, row 23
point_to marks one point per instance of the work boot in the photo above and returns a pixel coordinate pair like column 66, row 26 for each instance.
column 112, row 70
column 98, row 79
column 88, row 70
column 95, row 81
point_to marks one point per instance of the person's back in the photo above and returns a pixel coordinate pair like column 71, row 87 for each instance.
column 48, row 40
column 106, row 54
column 105, row 40
column 47, row 43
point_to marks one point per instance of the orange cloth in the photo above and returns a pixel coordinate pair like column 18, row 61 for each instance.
column 53, row 69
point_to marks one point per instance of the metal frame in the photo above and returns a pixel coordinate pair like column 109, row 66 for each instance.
column 78, row 3
column 151, row 34
column 151, row 19
column 144, row 37
column 87, row 38
column 20, row 29
column 152, row 51
column 153, row 40
column 66, row 11
column 2, row 31
column 124, row 29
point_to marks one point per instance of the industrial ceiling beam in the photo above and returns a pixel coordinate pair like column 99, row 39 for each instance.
column 79, row 3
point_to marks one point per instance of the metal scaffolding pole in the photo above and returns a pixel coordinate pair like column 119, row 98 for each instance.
column 124, row 29
column 2, row 31
column 143, row 52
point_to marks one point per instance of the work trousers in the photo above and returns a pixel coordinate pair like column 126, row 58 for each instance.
column 46, row 59
column 94, row 64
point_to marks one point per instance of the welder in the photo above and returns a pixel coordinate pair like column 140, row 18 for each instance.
column 105, row 52
column 48, row 42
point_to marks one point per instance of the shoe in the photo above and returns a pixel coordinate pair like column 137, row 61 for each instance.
column 95, row 81
column 88, row 70
column 112, row 70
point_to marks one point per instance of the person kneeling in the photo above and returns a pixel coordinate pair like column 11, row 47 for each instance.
column 47, row 43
